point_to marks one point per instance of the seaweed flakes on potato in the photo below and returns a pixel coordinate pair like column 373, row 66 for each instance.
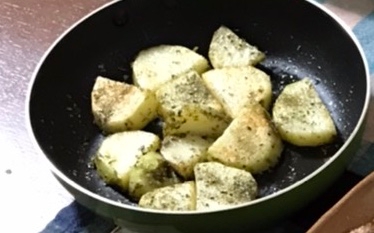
column 187, row 107
column 156, row 65
column 219, row 186
column 235, row 87
column 227, row 49
column 150, row 172
column 184, row 152
column 178, row 197
column 118, row 106
column 301, row 117
column 119, row 152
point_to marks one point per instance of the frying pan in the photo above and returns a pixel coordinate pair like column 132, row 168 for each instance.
column 300, row 40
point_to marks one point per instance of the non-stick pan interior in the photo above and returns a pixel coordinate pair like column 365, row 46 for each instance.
column 299, row 40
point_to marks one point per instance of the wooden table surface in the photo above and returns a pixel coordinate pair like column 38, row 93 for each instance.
column 30, row 196
column 27, row 29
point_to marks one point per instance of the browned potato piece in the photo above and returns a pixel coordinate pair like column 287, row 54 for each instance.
column 117, row 106
column 250, row 142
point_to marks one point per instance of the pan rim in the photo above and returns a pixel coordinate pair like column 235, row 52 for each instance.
column 110, row 202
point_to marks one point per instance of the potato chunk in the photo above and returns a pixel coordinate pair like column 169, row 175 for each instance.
column 151, row 171
column 157, row 65
column 119, row 152
column 184, row 152
column 235, row 87
column 219, row 186
column 250, row 142
column 301, row 117
column 228, row 49
column 118, row 106
column 187, row 107
column 178, row 197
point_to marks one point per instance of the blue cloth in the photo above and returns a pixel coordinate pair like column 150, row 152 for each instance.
column 77, row 219
column 364, row 31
